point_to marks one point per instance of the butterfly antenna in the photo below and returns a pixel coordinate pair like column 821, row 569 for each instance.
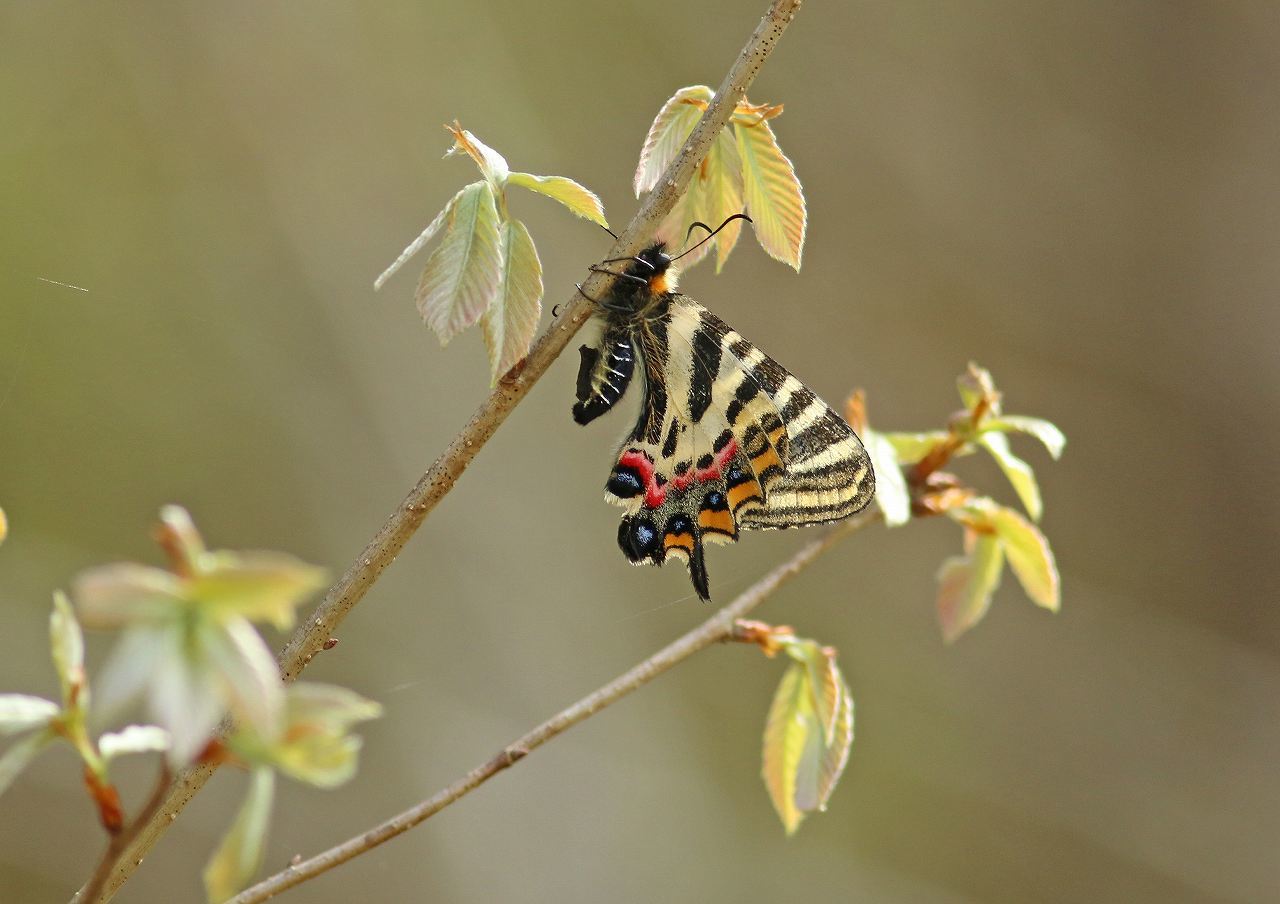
column 710, row 233
column 608, row 230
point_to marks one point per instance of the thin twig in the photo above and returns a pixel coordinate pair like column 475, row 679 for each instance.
column 718, row 627
column 382, row 550
column 122, row 839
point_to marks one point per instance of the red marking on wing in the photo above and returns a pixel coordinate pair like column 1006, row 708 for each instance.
column 655, row 485
column 654, row 493
column 711, row 471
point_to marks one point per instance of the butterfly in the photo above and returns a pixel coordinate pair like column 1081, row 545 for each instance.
column 727, row 440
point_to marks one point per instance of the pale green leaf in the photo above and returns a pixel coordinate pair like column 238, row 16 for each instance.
column 133, row 739
column 185, row 692
column 248, row 678
column 19, row 756
column 417, row 244
column 122, row 594
column 975, row 385
column 911, row 447
column 670, row 129
column 672, row 231
column 135, row 658
column 239, row 856
column 327, row 707
column 493, row 166
column 511, row 321
column 67, row 645
column 721, row 177
column 315, row 745
column 966, row 584
column 23, row 712
column 462, row 275
column 1054, row 440
column 808, row 733
column 260, row 586
column 822, row 677
column 317, row 748
column 579, row 199
column 714, row 193
column 837, row 748
column 323, row 760
column 1017, row 470
column 1030, row 557
column 791, row 728
column 892, row 494
column 178, row 525
column 772, row 193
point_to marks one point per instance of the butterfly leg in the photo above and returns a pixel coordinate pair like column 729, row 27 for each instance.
column 639, row 279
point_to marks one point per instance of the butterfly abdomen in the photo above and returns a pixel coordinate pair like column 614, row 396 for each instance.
column 603, row 376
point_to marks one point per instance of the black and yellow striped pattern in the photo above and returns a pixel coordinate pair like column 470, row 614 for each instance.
column 726, row 440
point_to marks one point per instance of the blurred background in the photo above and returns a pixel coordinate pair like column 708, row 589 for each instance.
column 1081, row 197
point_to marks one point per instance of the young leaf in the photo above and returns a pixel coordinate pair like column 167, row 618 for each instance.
column 317, row 747
column 67, row 644
column 722, row 183
column 667, row 135
column 417, row 244
column 1029, row 556
column 713, row 195
column 462, row 274
column 823, row 680
column 841, row 742
column 243, row 666
column 184, row 693
column 492, row 165
column 259, row 585
column 891, row 487
column 125, row 593
column 911, row 447
column 177, row 535
column 790, row 732
column 808, row 733
column 512, row 319
column 133, row 739
column 965, row 586
column 976, row 387
column 19, row 756
column 1054, row 440
column 773, row 195
column 23, row 712
column 578, row 199
column 239, row 856
column 690, row 208
column 1017, row 470
column 20, row 713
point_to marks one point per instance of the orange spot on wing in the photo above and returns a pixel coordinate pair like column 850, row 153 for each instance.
column 721, row 521
column 678, row 541
column 765, row 459
column 742, row 493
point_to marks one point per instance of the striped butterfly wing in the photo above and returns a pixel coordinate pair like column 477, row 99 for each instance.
column 727, row 440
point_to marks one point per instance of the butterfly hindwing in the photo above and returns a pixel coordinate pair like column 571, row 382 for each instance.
column 726, row 440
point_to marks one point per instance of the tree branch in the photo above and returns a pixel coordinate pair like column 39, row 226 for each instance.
column 718, row 627
column 515, row 384
column 122, row 839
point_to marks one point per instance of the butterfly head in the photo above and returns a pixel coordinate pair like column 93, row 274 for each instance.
column 653, row 265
